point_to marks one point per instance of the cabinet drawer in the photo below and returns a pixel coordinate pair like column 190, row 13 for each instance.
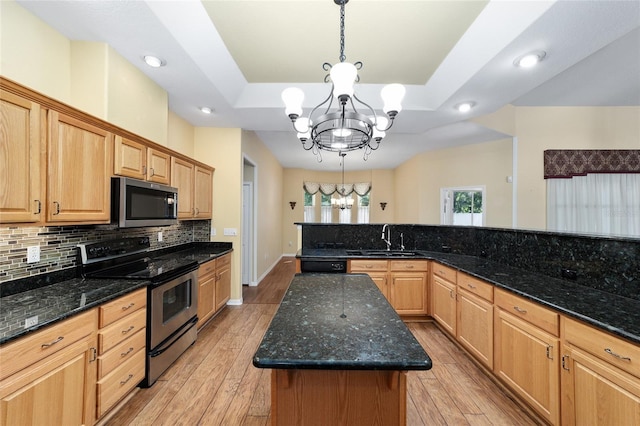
column 529, row 311
column 613, row 350
column 408, row 265
column 445, row 272
column 223, row 261
column 110, row 336
column 123, row 306
column 38, row 345
column 366, row 265
column 476, row 286
column 119, row 382
column 121, row 352
column 206, row 268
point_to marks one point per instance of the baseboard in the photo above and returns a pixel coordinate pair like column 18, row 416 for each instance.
column 234, row 302
column 273, row 265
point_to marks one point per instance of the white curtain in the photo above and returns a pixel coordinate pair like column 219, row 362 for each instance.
column 599, row 203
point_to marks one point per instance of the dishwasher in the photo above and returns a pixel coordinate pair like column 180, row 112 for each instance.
column 334, row 266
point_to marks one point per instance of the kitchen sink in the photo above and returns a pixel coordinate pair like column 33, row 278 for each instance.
column 378, row 253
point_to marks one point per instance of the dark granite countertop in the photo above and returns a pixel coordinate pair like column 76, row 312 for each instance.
column 53, row 302
column 308, row 331
column 616, row 314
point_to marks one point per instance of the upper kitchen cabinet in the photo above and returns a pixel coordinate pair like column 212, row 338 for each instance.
column 20, row 149
column 137, row 160
column 80, row 165
column 194, row 185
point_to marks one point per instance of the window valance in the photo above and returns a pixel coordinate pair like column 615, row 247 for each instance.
column 566, row 163
column 360, row 188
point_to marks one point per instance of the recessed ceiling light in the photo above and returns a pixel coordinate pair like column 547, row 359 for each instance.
column 154, row 61
column 206, row 110
column 530, row 59
column 465, row 106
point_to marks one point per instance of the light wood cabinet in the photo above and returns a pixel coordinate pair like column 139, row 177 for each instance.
column 136, row 160
column 402, row 282
column 51, row 380
column 203, row 192
column 214, row 287
column 600, row 377
column 182, row 177
column 21, row 199
column 121, row 349
column 79, row 170
column 443, row 297
column 474, row 326
column 527, row 352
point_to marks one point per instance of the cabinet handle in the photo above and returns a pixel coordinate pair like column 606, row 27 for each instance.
column 151, row 171
column 46, row 345
column 128, row 329
column 39, row 206
column 123, row 382
column 408, row 266
column 612, row 353
column 451, row 294
column 520, row 310
column 144, row 170
column 130, row 305
column 94, row 355
column 123, row 354
column 471, row 286
column 549, row 353
column 368, row 266
column 197, row 211
column 565, row 362
column 57, row 204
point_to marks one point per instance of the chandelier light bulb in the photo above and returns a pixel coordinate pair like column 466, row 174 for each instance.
column 342, row 133
column 343, row 75
column 392, row 95
column 293, row 98
column 379, row 131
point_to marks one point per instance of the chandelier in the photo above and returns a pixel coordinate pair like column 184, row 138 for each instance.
column 346, row 127
column 343, row 202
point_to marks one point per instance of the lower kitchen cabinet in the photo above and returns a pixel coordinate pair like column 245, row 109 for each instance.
column 214, row 287
column 377, row 271
column 600, row 377
column 474, row 326
column 443, row 297
column 527, row 352
column 56, row 377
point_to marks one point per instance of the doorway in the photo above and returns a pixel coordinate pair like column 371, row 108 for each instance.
column 248, row 223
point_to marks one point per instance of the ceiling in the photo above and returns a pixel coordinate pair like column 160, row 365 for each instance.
column 236, row 56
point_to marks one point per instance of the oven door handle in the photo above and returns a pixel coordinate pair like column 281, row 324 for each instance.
column 167, row 344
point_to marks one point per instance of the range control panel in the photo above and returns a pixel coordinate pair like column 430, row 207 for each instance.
column 103, row 250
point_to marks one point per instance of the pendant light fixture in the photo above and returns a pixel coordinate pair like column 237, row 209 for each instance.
column 345, row 128
column 343, row 202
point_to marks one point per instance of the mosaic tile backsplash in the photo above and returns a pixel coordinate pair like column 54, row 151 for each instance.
column 58, row 244
column 602, row 263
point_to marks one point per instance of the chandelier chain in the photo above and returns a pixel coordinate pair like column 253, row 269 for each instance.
column 342, row 56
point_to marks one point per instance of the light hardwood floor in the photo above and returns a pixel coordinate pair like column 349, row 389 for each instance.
column 215, row 383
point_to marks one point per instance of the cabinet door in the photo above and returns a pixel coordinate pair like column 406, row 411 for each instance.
column 474, row 327
column 597, row 393
column 526, row 358
column 443, row 301
column 206, row 298
column 182, row 178
column 408, row 292
column 130, row 158
column 20, row 196
column 203, row 193
column 380, row 278
column 80, row 166
column 223, row 286
column 58, row 390
column 159, row 165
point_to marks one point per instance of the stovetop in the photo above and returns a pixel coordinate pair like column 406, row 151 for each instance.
column 129, row 258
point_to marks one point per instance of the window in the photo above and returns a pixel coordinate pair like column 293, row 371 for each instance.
column 363, row 208
column 325, row 208
column 309, row 207
column 463, row 206
column 344, row 215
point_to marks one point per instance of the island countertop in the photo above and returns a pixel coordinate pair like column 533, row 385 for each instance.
column 309, row 331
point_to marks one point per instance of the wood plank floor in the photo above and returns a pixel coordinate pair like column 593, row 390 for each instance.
column 215, row 383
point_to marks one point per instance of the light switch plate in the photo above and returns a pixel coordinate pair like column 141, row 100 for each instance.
column 230, row 231
column 33, row 254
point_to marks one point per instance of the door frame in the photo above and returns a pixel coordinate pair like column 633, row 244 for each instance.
column 250, row 256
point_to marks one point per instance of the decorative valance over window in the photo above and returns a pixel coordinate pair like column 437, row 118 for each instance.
column 361, row 188
column 566, row 163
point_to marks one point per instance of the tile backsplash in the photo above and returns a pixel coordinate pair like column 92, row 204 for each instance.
column 58, row 243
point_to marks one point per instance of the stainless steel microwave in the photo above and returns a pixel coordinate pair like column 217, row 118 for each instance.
column 136, row 203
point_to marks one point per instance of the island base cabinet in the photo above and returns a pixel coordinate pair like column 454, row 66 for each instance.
column 338, row 397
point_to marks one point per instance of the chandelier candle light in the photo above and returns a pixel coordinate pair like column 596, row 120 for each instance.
column 345, row 128
column 343, row 202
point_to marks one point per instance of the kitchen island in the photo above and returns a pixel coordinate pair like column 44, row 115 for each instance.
column 339, row 354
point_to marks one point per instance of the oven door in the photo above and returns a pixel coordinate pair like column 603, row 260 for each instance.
column 173, row 304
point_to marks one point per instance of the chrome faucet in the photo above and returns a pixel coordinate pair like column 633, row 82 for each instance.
column 402, row 241
column 388, row 235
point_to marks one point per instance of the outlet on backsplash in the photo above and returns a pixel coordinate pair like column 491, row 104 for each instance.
column 159, row 236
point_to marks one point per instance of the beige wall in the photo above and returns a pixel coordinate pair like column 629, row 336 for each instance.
column 89, row 66
column 180, row 135
column 539, row 129
column 269, row 206
column 419, row 180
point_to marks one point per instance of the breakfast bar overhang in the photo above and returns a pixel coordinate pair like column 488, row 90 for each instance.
column 339, row 354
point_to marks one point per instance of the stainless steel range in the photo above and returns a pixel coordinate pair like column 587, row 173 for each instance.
column 171, row 297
